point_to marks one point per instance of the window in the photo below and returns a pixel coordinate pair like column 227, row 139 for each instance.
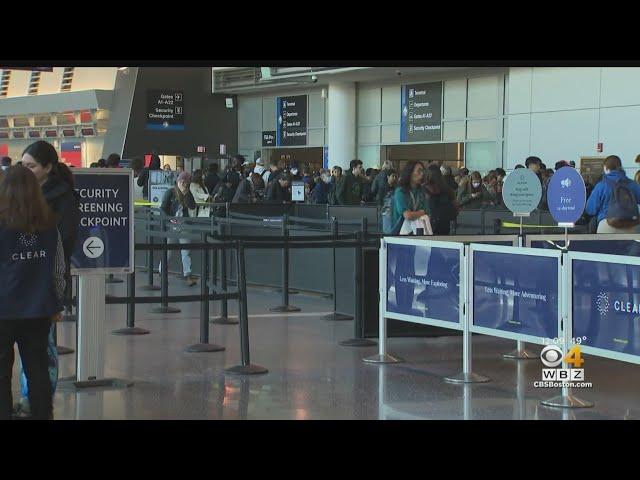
column 67, row 79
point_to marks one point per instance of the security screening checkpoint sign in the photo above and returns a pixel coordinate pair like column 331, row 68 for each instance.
column 105, row 241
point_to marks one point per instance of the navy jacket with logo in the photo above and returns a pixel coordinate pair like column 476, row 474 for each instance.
column 32, row 270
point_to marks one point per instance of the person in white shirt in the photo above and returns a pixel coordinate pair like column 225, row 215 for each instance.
column 259, row 168
column 200, row 195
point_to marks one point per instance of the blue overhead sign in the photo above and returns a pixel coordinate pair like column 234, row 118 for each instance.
column 105, row 238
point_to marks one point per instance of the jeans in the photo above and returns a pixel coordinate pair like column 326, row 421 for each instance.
column 52, row 352
column 186, row 257
column 31, row 335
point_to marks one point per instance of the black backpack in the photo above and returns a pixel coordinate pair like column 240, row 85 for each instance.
column 623, row 205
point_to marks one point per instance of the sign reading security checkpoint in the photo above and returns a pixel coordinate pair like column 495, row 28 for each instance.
column 105, row 238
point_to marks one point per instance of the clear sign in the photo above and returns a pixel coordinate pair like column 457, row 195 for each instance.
column 566, row 196
column 105, row 237
column 291, row 120
column 165, row 110
column 421, row 112
column 522, row 192
column 159, row 182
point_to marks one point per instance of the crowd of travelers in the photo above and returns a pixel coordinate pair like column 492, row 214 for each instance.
column 39, row 219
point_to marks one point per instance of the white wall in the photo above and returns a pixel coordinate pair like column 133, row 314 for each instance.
column 563, row 113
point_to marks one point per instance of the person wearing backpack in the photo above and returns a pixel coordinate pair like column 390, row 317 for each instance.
column 614, row 200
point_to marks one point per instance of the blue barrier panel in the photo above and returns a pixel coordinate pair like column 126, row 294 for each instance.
column 612, row 244
column 423, row 282
column 605, row 305
column 515, row 292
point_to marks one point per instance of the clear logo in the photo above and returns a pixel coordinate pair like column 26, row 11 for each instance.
column 602, row 303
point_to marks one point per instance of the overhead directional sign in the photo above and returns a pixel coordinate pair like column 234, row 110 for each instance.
column 165, row 110
column 421, row 112
column 105, row 239
column 291, row 121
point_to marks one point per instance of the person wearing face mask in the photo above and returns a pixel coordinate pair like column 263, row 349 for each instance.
column 295, row 172
column 320, row 193
column 5, row 163
column 473, row 194
column 614, row 200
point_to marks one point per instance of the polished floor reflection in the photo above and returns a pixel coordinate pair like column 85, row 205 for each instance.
column 312, row 377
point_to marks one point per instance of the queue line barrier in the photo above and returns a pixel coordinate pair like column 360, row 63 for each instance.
column 481, row 281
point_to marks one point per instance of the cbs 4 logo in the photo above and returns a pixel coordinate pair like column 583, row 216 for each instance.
column 552, row 356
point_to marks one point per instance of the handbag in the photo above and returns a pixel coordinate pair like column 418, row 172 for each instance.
column 410, row 227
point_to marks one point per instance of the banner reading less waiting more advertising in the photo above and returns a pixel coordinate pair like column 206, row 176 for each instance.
column 514, row 293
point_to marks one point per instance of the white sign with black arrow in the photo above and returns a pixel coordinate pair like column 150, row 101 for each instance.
column 93, row 247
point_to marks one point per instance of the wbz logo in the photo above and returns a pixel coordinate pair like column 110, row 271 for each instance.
column 552, row 357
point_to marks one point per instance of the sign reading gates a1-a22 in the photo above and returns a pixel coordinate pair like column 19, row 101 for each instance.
column 165, row 110
column 105, row 236
column 421, row 112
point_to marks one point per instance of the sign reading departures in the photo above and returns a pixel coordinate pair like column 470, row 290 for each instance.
column 421, row 112
column 291, row 121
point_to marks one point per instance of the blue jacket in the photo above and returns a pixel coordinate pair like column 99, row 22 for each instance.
column 598, row 202
column 320, row 193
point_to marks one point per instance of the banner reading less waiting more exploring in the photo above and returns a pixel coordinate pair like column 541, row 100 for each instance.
column 424, row 281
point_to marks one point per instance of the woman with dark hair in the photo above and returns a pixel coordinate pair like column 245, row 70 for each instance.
column 409, row 199
column 143, row 178
column 32, row 271
column 473, row 194
column 200, row 194
column 56, row 182
column 442, row 206
column 177, row 202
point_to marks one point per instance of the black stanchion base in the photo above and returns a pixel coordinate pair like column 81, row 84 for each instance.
column 358, row 342
column 150, row 288
column 113, row 280
column 102, row 383
column 204, row 348
column 284, row 309
column 224, row 321
column 64, row 350
column 69, row 317
column 246, row 370
column 130, row 331
column 335, row 317
column 166, row 309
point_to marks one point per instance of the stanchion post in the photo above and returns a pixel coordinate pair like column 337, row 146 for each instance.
column 246, row 367
column 467, row 375
column 382, row 356
column 521, row 352
column 131, row 328
column 223, row 319
column 164, row 275
column 204, row 345
column 285, row 307
column 333, row 316
column 150, row 265
column 359, row 339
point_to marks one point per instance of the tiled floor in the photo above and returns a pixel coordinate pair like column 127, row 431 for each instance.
column 312, row 377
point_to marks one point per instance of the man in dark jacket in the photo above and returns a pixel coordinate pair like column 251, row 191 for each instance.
column 278, row 191
column 349, row 191
column 212, row 178
column 380, row 185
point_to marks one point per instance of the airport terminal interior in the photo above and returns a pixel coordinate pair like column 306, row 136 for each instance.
column 320, row 243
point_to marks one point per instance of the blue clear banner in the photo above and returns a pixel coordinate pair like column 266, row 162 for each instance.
column 424, row 281
column 516, row 293
column 606, row 305
column 611, row 247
